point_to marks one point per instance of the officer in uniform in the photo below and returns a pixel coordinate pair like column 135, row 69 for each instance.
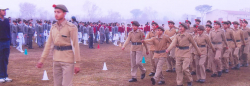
column 135, row 37
column 107, row 34
column 90, row 33
column 66, row 55
column 14, row 33
column 20, row 36
column 150, row 35
column 171, row 33
column 209, row 51
column 102, row 33
column 227, row 52
column 217, row 37
column 245, row 49
column 160, row 43
column 182, row 54
column 202, row 40
column 40, row 35
column 240, row 41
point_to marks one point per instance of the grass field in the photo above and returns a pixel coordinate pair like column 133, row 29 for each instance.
column 22, row 69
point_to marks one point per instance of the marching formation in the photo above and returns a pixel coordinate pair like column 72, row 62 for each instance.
column 187, row 49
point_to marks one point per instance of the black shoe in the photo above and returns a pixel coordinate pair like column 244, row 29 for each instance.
column 161, row 82
column 219, row 73
column 143, row 76
column 246, row 65
column 223, row 71
column 193, row 73
column 198, row 80
column 238, row 66
column 168, row 70
column 173, row 70
column 226, row 71
column 179, row 85
column 151, row 74
column 31, row 48
column 233, row 68
column 202, row 80
column 213, row 75
column 189, row 84
column 208, row 70
column 133, row 80
column 153, row 81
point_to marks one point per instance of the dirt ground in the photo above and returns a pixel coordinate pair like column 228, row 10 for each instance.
column 22, row 69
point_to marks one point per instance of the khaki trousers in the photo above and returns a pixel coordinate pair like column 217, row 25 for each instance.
column 216, row 65
column 153, row 65
column 63, row 73
column 200, row 67
column 227, row 53
column 209, row 59
column 235, row 56
column 182, row 64
column 159, row 63
column 136, row 62
column 244, row 57
column 171, row 60
column 192, row 64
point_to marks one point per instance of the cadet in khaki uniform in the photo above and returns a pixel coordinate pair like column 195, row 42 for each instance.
column 193, row 32
column 217, row 37
column 210, row 52
column 245, row 49
column 66, row 56
column 151, row 34
column 203, row 41
column 161, row 43
column 183, row 40
column 239, row 37
column 171, row 60
column 135, row 36
column 227, row 52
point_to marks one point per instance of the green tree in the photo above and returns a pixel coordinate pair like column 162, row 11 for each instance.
column 203, row 9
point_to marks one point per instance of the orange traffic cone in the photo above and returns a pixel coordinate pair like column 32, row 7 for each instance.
column 98, row 47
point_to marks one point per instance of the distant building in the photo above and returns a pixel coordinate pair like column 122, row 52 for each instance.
column 224, row 15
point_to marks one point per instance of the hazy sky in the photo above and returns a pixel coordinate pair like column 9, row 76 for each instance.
column 171, row 8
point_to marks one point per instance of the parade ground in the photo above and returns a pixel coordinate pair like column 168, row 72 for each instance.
column 22, row 69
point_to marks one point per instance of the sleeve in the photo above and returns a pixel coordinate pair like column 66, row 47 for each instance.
column 127, row 40
column 242, row 37
column 232, row 36
column 48, row 47
column 224, row 38
column 194, row 44
column 75, row 45
column 143, row 37
column 173, row 44
column 209, row 43
column 149, row 41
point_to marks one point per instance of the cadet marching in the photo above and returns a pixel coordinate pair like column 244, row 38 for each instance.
column 189, row 51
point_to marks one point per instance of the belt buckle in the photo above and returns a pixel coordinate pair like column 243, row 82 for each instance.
column 59, row 48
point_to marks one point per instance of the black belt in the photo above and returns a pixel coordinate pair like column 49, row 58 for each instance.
column 216, row 42
column 246, row 38
column 183, row 48
column 201, row 45
column 229, row 39
column 237, row 40
column 62, row 48
column 161, row 51
column 136, row 43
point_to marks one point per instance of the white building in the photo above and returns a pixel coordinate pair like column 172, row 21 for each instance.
column 224, row 15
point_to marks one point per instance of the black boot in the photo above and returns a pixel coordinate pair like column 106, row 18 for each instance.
column 168, row 70
column 202, row 80
column 153, row 81
column 226, row 71
column 173, row 70
column 189, row 84
column 151, row 74
column 219, row 73
column 213, row 75
column 161, row 82
column 193, row 73
column 208, row 70
column 133, row 80
column 198, row 80
column 143, row 76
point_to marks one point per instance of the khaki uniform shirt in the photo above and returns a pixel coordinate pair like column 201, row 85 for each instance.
column 238, row 34
column 183, row 40
column 246, row 34
column 151, row 34
column 171, row 32
column 135, row 36
column 161, row 43
column 64, row 34
column 229, row 36
column 201, row 40
column 218, row 36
